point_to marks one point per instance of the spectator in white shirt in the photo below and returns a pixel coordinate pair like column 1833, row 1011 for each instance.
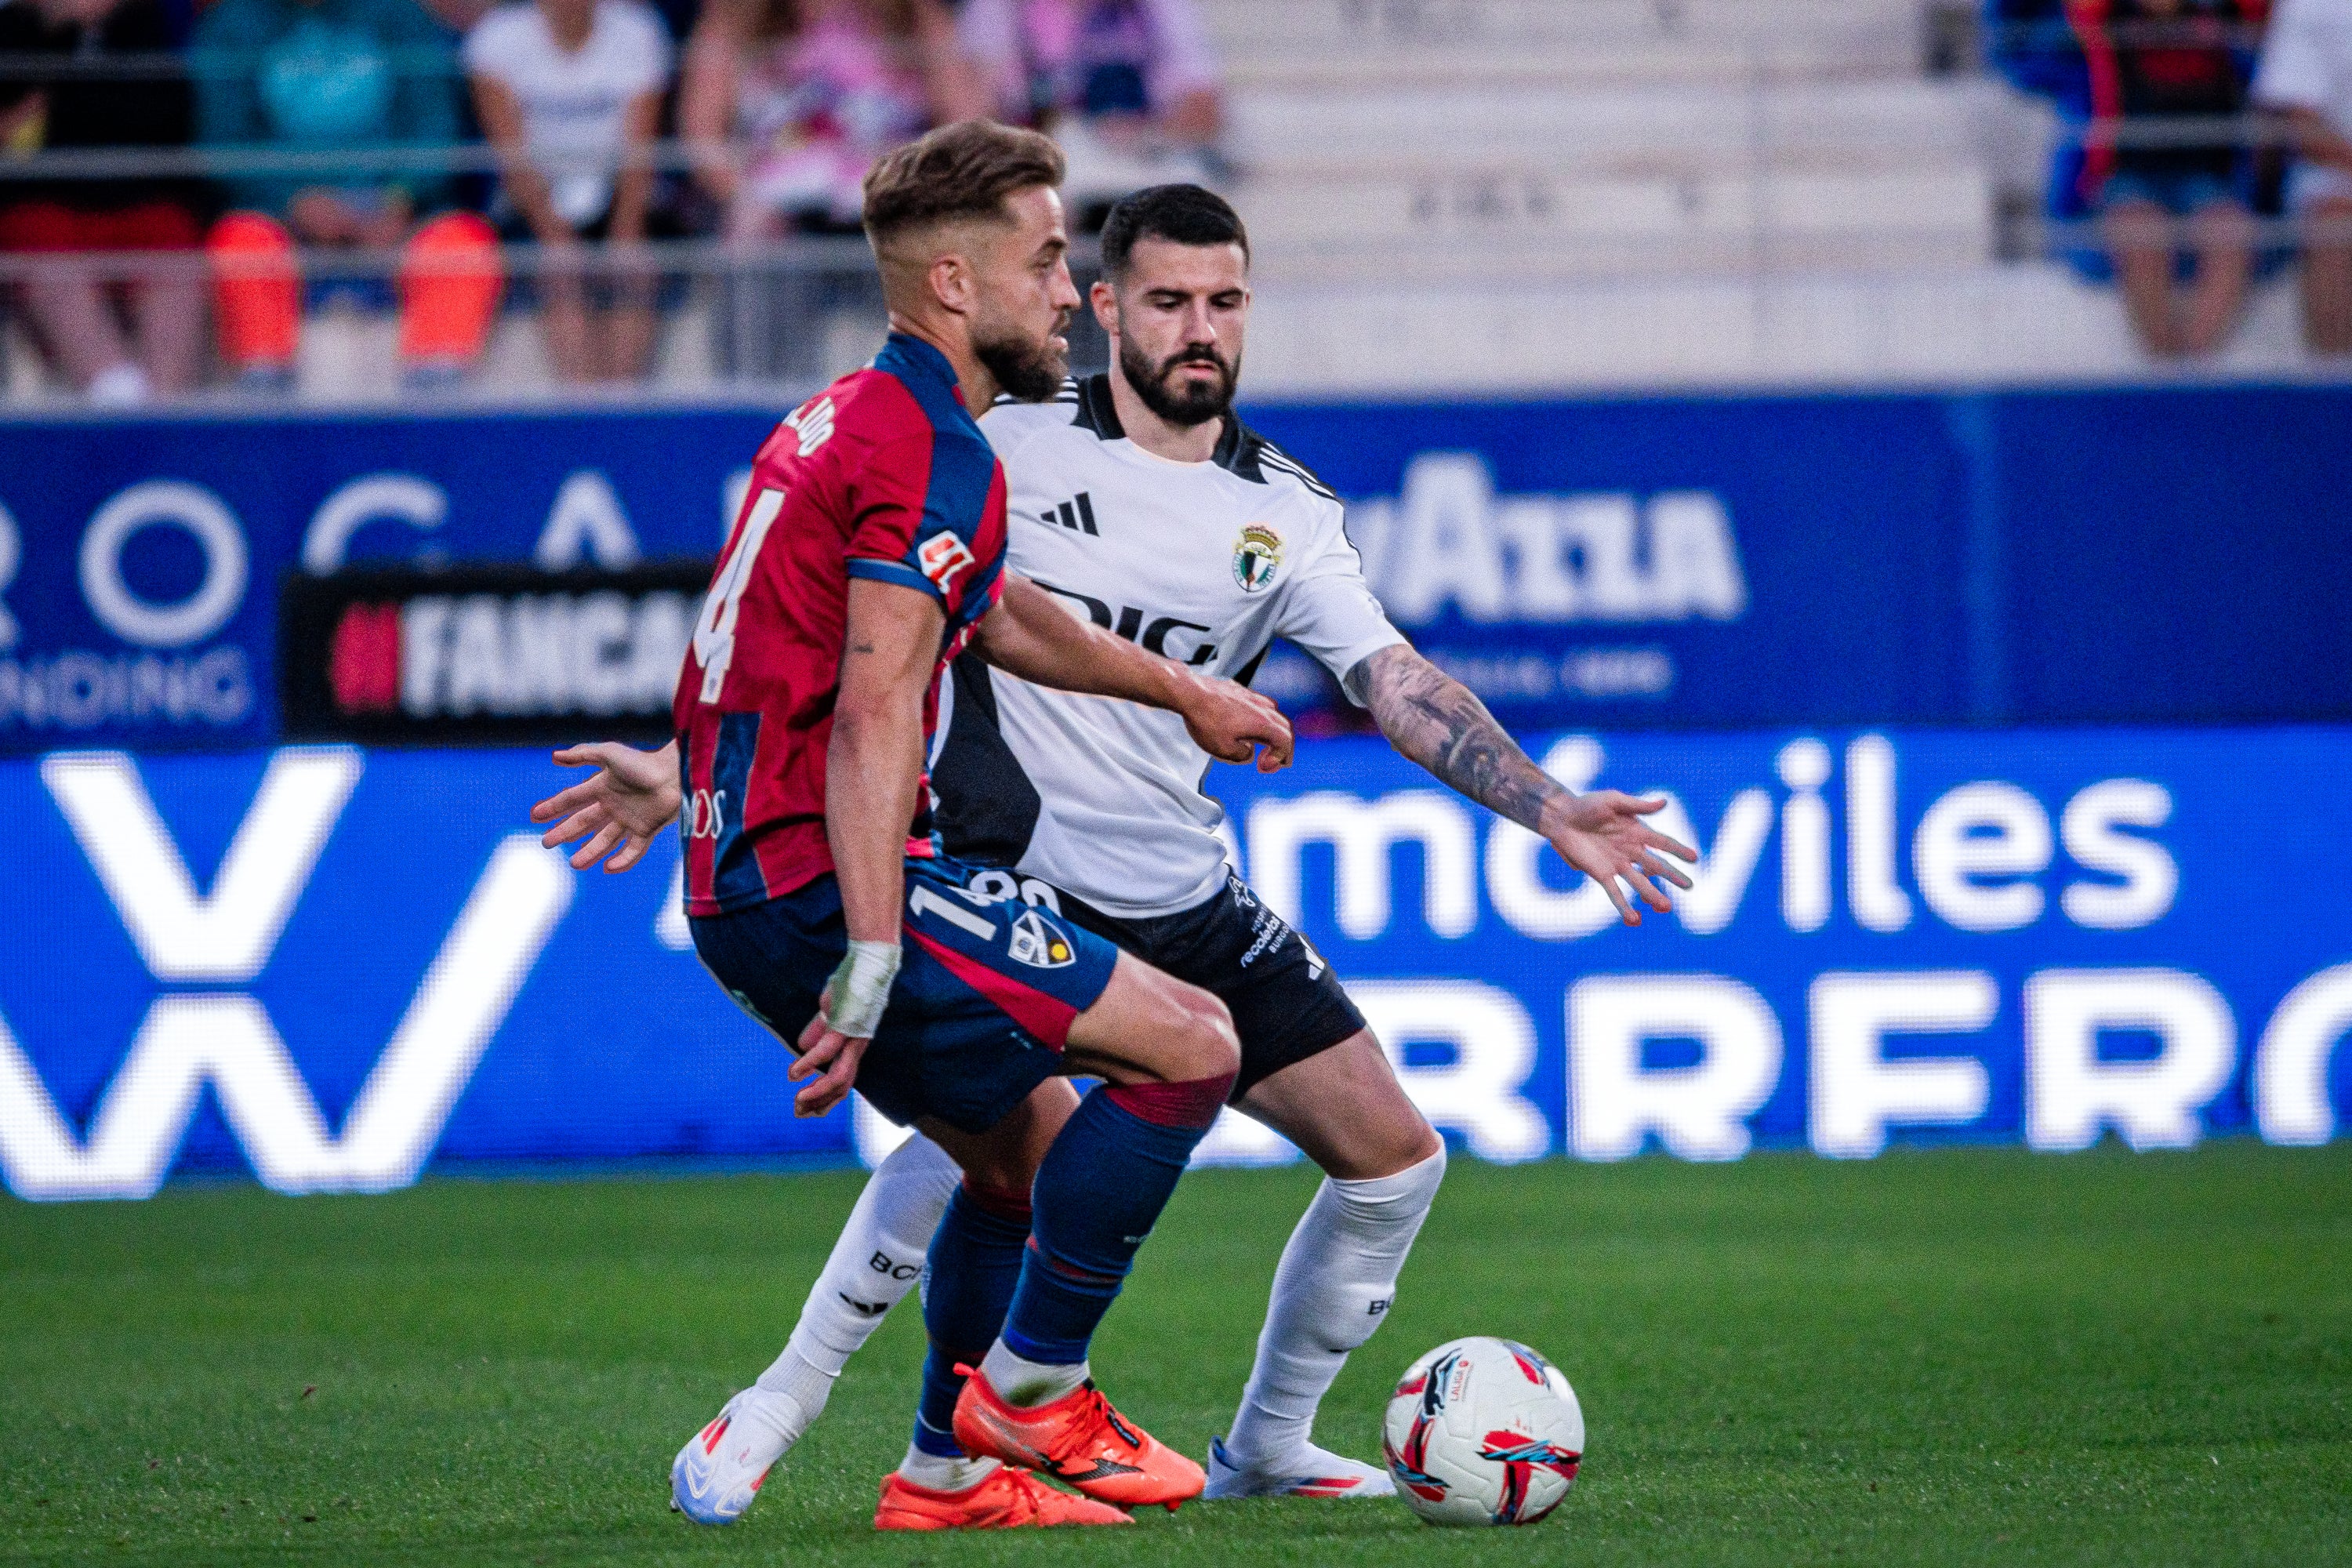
column 2307, row 72
column 570, row 93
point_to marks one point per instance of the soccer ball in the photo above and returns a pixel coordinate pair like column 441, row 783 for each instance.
column 1483, row 1431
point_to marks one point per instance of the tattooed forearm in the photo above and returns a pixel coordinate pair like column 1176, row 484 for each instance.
column 1440, row 723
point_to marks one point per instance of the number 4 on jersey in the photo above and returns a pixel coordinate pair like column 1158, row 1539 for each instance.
column 714, row 632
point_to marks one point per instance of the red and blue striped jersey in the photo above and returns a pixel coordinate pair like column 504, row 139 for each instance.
column 886, row 476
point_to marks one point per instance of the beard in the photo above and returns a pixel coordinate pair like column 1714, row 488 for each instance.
column 1031, row 369
column 1184, row 405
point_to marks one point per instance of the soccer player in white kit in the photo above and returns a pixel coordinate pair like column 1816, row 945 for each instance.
column 1142, row 500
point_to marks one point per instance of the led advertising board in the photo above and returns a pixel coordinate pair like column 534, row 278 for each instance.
column 2152, row 555
column 338, row 968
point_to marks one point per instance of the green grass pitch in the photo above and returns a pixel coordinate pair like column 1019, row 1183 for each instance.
column 1960, row 1356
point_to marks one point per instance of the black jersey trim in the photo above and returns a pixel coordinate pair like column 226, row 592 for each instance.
column 988, row 805
column 1240, row 450
column 1097, row 412
column 1066, row 397
column 1281, row 461
column 1248, row 672
column 1250, row 455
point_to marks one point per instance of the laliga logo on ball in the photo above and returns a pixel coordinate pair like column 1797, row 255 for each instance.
column 1483, row 1431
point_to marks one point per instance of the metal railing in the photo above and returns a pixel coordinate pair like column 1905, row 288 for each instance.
column 765, row 322
column 776, row 317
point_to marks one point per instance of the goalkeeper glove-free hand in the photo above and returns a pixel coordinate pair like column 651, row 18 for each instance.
column 860, row 989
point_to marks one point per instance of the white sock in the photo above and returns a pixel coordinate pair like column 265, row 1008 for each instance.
column 790, row 1395
column 941, row 1475
column 1024, row 1383
column 1336, row 1283
column 873, row 1264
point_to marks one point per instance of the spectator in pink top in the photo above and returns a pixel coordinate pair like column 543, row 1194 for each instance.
column 1129, row 87
column 809, row 93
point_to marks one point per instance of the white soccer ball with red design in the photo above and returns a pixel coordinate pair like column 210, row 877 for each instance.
column 1483, row 1431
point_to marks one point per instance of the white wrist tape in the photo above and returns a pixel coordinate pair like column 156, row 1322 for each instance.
column 860, row 988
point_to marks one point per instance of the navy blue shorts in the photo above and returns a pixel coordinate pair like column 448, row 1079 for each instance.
column 984, row 1000
column 2183, row 193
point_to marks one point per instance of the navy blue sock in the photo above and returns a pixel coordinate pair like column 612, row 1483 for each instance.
column 975, row 1263
column 1099, row 1193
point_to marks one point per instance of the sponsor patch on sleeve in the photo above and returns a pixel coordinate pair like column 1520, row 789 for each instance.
column 941, row 557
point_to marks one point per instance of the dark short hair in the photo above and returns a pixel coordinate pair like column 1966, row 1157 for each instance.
column 1187, row 215
column 960, row 171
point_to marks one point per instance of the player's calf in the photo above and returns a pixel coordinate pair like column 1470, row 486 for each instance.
column 879, row 1256
column 1338, row 1274
column 1171, row 1052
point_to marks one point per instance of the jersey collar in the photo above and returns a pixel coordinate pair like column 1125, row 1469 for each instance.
column 1237, row 444
column 1097, row 412
column 908, row 356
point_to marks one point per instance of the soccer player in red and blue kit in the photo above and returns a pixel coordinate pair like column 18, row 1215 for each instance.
column 868, row 552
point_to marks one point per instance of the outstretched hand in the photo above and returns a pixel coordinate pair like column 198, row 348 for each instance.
column 631, row 796
column 1231, row 722
column 1603, row 835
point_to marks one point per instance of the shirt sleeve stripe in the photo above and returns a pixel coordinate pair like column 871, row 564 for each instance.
column 896, row 572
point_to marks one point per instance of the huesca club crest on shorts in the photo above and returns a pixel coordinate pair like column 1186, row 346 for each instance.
column 1038, row 944
column 1257, row 556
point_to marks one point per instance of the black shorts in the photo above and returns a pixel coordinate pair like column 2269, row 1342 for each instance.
column 1286, row 1004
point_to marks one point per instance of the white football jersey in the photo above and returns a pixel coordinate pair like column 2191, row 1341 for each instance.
column 1205, row 563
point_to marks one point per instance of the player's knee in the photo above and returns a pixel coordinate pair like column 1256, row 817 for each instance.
column 1009, row 1169
column 1419, row 1144
column 1192, row 1060
column 1202, row 1033
column 1211, row 1042
column 1430, row 1162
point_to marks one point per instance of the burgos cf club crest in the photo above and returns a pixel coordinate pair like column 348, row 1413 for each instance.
column 1036, row 943
column 1257, row 556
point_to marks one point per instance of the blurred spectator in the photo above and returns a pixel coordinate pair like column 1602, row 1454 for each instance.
column 338, row 76
column 2306, row 71
column 789, row 102
column 118, row 339
column 570, row 92
column 2158, row 67
column 1129, row 87
column 458, row 16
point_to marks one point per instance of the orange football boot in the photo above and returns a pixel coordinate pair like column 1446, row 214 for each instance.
column 1010, row 1498
column 1078, row 1439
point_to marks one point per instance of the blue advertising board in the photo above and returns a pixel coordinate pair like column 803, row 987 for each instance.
column 140, row 559
column 338, row 968
column 2053, row 557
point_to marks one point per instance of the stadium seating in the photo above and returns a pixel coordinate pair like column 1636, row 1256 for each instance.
column 1530, row 193
column 1604, row 41
column 1522, row 193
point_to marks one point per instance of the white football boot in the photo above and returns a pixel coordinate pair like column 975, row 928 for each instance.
column 717, row 1473
column 1315, row 1473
